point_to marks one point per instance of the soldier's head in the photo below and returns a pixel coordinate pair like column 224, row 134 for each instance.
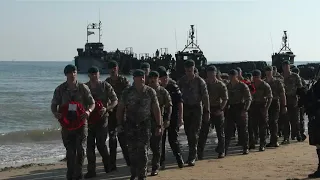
column 249, row 76
column 274, row 69
column 138, row 77
column 295, row 70
column 233, row 75
column 153, row 78
column 146, row 67
column 256, row 74
column 94, row 73
column 211, row 72
column 286, row 66
column 189, row 67
column 70, row 71
column 113, row 68
column 219, row 74
column 269, row 71
column 239, row 71
column 163, row 76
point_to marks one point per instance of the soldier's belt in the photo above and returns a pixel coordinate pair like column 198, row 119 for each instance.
column 134, row 124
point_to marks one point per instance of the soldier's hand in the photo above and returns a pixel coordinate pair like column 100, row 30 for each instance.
column 57, row 115
column 85, row 115
column 103, row 110
column 166, row 124
column 158, row 132
column 284, row 110
column 180, row 122
column 243, row 113
column 206, row 117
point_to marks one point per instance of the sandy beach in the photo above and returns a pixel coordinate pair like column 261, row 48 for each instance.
column 294, row 161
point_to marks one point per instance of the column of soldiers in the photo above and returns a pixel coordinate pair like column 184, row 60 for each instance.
column 141, row 115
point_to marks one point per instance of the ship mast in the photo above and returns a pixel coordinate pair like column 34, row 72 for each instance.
column 193, row 40
column 94, row 26
column 285, row 44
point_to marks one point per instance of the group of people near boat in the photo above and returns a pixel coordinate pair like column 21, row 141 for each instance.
column 154, row 106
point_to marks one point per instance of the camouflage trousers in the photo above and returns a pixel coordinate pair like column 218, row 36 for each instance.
column 258, row 121
column 155, row 146
column 192, row 116
column 113, row 137
column 97, row 135
column 292, row 119
column 274, row 112
column 217, row 122
column 138, row 138
column 74, row 142
column 234, row 117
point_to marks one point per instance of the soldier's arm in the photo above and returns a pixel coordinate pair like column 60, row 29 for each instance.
column 88, row 97
column 121, row 107
column 247, row 98
column 269, row 96
column 126, row 83
column 168, row 106
column 111, row 94
column 299, row 86
column 224, row 96
column 56, row 100
column 155, row 107
column 177, row 97
column 205, row 96
column 282, row 93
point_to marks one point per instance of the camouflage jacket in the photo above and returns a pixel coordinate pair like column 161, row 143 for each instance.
column 292, row 83
column 263, row 92
column 118, row 85
column 276, row 87
column 238, row 93
column 217, row 92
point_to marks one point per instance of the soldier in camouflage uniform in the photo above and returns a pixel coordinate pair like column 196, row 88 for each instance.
column 301, row 107
column 276, row 74
column 278, row 94
column 73, row 140
column 119, row 83
column 293, row 86
column 140, row 105
column 195, row 95
column 165, row 104
column 239, row 104
column 218, row 96
column 97, row 133
column 146, row 67
column 261, row 101
column 176, row 119
column 282, row 115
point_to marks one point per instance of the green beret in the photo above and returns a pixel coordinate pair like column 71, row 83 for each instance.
column 212, row 68
column 188, row 63
column 153, row 74
column 239, row 69
column 233, row 72
column 268, row 68
column 249, row 75
column 274, row 68
column 69, row 68
column 256, row 73
column 138, row 73
column 162, row 68
column 286, row 62
column 145, row 65
column 162, row 73
column 93, row 69
column 295, row 70
column 112, row 64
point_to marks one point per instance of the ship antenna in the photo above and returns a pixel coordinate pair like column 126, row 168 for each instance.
column 99, row 27
column 196, row 36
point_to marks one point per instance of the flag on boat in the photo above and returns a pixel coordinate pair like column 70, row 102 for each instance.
column 89, row 33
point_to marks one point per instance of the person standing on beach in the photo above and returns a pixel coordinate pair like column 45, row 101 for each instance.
column 146, row 67
column 176, row 119
column 218, row 95
column 74, row 99
column 102, row 93
column 165, row 104
column 293, row 87
column 196, row 104
column 261, row 101
column 139, row 106
column 239, row 104
column 278, row 94
column 119, row 83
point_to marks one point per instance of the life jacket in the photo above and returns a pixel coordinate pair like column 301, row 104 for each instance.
column 250, row 85
column 95, row 115
column 71, row 115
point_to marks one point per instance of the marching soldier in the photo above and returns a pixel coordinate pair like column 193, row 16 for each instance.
column 239, row 104
column 146, row 67
column 218, row 95
column 195, row 94
column 73, row 98
column 261, row 101
column 278, row 94
column 140, row 105
column 293, row 87
column 119, row 83
column 102, row 93
column 176, row 119
column 165, row 104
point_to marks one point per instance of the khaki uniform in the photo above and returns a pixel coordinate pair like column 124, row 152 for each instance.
column 138, row 117
column 74, row 140
column 274, row 109
column 97, row 133
column 194, row 93
column 217, row 93
column 239, row 95
column 292, row 83
column 258, row 119
column 155, row 141
column 118, row 85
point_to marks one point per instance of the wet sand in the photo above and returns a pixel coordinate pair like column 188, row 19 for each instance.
column 294, row 161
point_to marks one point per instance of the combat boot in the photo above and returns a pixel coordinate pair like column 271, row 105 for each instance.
column 316, row 174
column 90, row 174
column 180, row 160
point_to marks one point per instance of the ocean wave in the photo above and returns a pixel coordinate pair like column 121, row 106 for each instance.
column 28, row 136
